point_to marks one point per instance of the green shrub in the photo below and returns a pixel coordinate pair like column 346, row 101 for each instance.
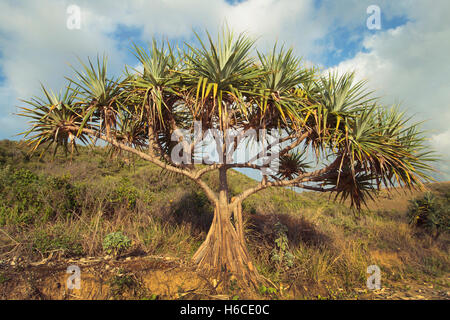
column 280, row 253
column 268, row 291
column 23, row 188
column 128, row 283
column 121, row 283
column 45, row 241
column 24, row 177
column 28, row 198
column 62, row 194
column 116, row 243
column 125, row 193
column 14, row 216
column 430, row 214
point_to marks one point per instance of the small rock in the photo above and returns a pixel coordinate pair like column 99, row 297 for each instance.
column 13, row 263
column 107, row 257
column 128, row 259
column 107, row 267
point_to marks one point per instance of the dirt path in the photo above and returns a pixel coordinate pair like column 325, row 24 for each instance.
column 131, row 278
column 151, row 277
column 407, row 291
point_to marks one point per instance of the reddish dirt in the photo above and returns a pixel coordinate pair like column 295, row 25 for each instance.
column 130, row 278
column 161, row 278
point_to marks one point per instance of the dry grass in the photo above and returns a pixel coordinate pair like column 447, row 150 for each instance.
column 165, row 214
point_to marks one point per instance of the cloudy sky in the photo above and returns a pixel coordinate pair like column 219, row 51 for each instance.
column 406, row 61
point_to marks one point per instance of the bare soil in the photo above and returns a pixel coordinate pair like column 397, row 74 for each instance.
column 146, row 277
column 150, row 277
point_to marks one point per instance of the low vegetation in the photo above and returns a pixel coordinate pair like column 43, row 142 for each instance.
column 431, row 213
column 306, row 245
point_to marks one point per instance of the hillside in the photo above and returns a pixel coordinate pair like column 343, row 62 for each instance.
column 56, row 213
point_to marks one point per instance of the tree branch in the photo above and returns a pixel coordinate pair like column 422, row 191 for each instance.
column 209, row 192
column 310, row 176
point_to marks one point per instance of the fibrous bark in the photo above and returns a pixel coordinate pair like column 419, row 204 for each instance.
column 224, row 249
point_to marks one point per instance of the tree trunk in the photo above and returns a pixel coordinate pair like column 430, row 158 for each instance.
column 224, row 252
column 238, row 221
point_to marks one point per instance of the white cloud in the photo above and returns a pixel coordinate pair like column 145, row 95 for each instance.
column 353, row 13
column 441, row 142
column 293, row 21
column 408, row 64
column 36, row 46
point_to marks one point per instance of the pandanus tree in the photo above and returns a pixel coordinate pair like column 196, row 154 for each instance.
column 162, row 113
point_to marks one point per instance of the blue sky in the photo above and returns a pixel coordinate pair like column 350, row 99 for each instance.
column 406, row 60
column 347, row 41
